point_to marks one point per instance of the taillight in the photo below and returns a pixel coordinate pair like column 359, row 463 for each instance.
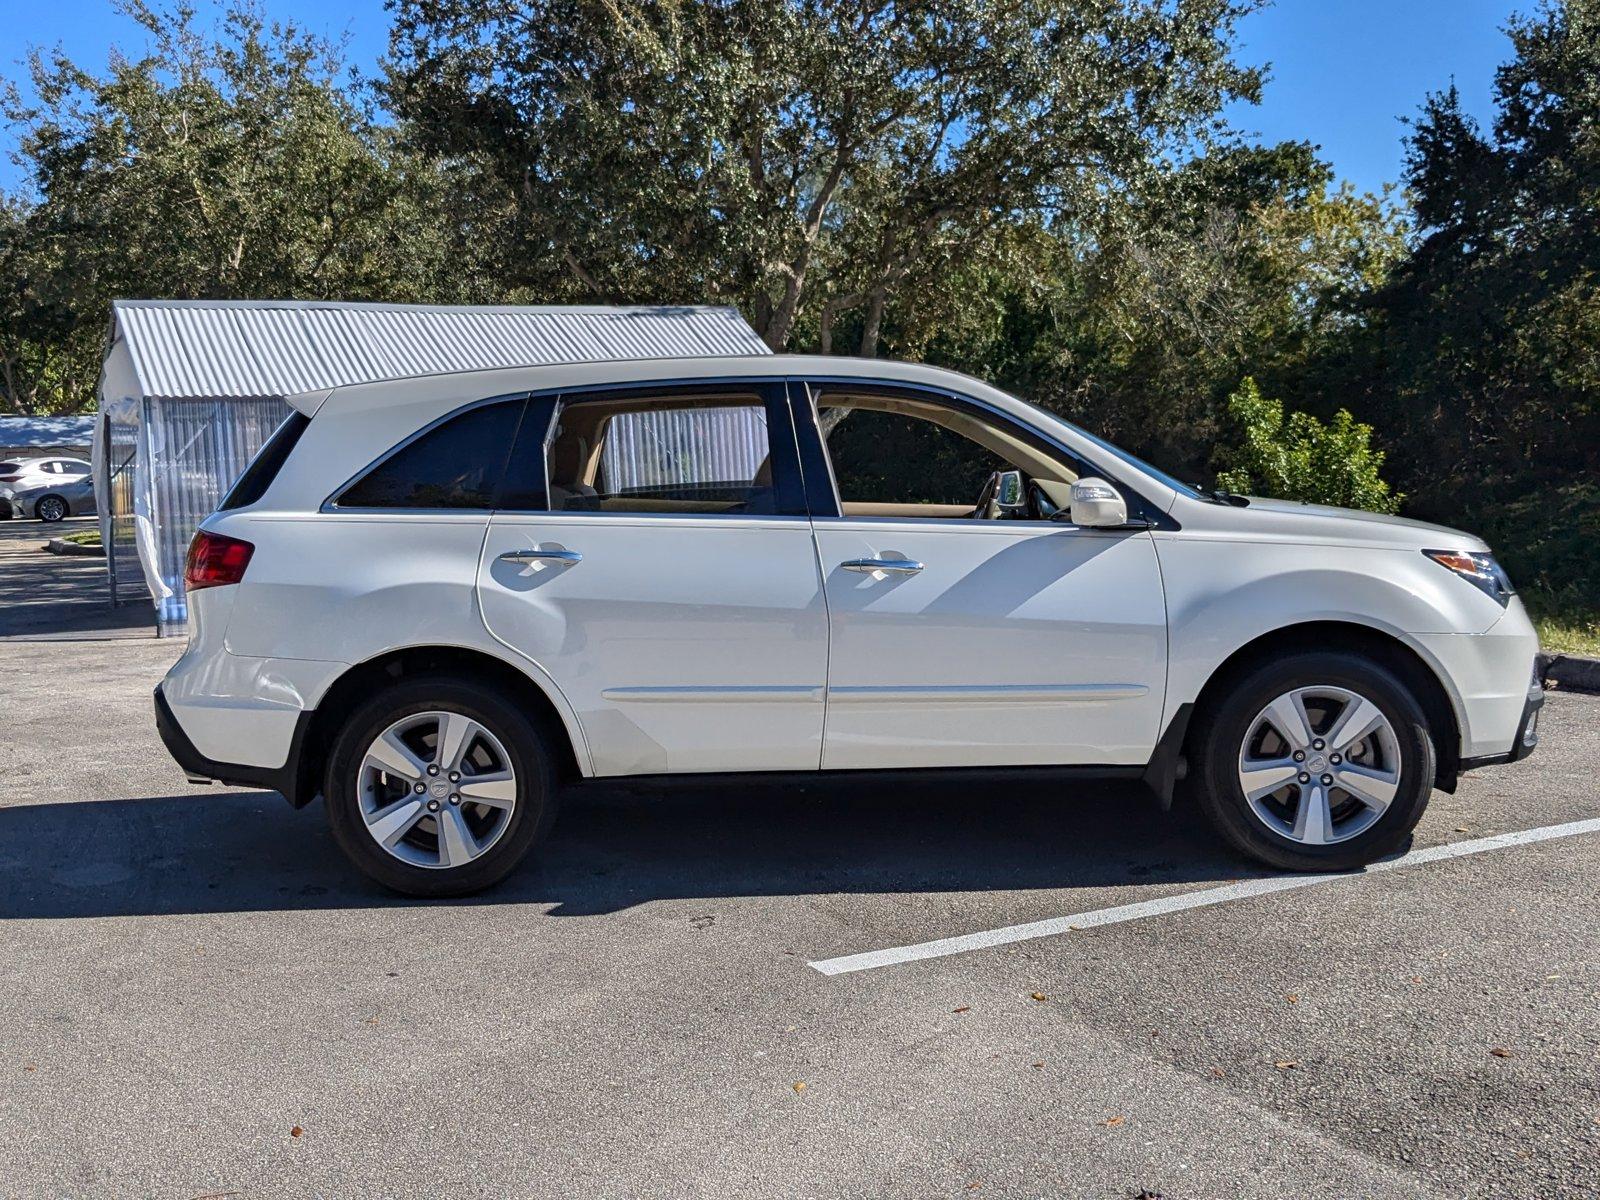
column 214, row 560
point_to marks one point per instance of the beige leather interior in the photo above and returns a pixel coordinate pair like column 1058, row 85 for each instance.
column 858, row 508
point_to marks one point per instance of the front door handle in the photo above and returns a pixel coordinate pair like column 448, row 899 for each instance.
column 532, row 556
column 889, row 566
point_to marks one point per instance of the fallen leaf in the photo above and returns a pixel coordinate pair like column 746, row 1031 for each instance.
column 1292, row 998
column 1461, row 829
column 1416, row 979
column 1597, row 1118
column 1287, row 1064
column 1500, row 1052
column 29, row 1067
column 1040, row 996
column 974, row 1186
column 962, row 1009
column 1038, row 1066
column 1113, row 1122
column 1218, row 1072
column 296, row 1131
column 800, row 1087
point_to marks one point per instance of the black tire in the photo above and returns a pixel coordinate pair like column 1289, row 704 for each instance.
column 51, row 509
column 528, row 746
column 1220, row 737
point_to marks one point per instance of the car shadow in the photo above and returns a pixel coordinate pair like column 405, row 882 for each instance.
column 614, row 847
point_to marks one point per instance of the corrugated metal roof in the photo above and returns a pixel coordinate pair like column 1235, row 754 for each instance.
column 21, row 432
column 270, row 348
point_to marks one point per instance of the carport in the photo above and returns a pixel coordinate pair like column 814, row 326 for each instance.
column 192, row 388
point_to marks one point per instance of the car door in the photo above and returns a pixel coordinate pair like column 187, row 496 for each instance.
column 653, row 556
column 969, row 642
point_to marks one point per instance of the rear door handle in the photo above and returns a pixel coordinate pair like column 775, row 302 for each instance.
column 889, row 566
column 532, row 556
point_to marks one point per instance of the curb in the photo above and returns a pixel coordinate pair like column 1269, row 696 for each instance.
column 62, row 546
column 1569, row 673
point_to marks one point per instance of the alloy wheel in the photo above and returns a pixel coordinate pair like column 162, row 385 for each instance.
column 51, row 509
column 1319, row 765
column 437, row 789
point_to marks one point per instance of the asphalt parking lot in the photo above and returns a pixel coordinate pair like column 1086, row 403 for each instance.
column 203, row 999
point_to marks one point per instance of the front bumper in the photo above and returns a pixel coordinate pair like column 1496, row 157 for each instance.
column 1527, row 739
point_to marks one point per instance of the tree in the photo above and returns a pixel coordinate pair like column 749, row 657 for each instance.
column 806, row 159
column 226, row 166
column 1247, row 260
column 1480, row 360
column 1300, row 458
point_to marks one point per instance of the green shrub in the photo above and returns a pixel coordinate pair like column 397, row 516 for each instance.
column 1300, row 458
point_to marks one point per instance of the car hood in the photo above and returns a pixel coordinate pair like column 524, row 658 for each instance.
column 1291, row 518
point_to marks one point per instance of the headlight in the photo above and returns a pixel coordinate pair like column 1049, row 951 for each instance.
column 1478, row 569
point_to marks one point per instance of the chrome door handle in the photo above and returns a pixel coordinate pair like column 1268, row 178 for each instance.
column 889, row 566
column 532, row 556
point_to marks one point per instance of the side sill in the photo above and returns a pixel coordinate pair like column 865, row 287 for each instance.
column 197, row 768
column 908, row 775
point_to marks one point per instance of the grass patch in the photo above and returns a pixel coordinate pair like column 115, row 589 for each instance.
column 83, row 537
column 1566, row 624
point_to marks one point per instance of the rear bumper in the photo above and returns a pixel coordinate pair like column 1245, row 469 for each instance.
column 197, row 768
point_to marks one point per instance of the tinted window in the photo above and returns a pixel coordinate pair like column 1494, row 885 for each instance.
column 456, row 464
column 264, row 467
column 889, row 458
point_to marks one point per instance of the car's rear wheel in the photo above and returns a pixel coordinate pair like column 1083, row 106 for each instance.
column 50, row 508
column 1317, row 761
column 439, row 787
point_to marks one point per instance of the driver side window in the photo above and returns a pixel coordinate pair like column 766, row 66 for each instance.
column 887, row 458
column 901, row 455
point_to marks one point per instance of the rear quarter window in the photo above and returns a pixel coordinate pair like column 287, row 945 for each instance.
column 456, row 464
column 264, row 467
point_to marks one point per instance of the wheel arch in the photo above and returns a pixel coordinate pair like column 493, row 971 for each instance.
column 1423, row 678
column 322, row 722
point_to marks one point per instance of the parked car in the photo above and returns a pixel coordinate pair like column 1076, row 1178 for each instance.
column 431, row 601
column 47, row 488
column 53, row 501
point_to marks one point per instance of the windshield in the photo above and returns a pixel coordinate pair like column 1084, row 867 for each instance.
column 1177, row 485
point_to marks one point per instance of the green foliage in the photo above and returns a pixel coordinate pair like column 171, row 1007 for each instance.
column 1479, row 359
column 1300, row 458
column 231, row 165
column 819, row 164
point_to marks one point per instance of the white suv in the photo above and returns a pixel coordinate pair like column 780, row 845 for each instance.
column 433, row 601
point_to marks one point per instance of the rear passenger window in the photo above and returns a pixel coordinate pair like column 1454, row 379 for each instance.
column 456, row 464
column 684, row 455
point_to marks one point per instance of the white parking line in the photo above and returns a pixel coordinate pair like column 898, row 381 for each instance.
column 894, row 955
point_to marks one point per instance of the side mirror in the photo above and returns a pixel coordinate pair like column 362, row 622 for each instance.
column 1095, row 503
column 1009, row 498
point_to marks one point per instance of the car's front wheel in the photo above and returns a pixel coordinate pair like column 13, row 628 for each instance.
column 51, row 508
column 439, row 787
column 1317, row 761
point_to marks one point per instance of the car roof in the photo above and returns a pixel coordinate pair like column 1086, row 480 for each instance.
column 559, row 376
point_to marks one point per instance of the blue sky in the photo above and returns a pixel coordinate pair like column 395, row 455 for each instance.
column 1343, row 71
